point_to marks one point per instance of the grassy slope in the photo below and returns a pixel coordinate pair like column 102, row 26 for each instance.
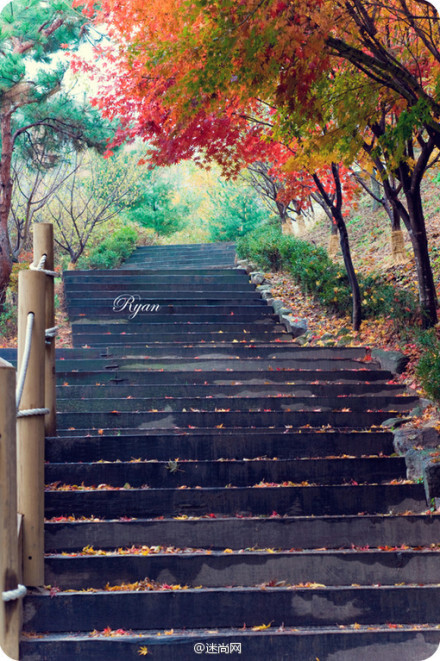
column 370, row 240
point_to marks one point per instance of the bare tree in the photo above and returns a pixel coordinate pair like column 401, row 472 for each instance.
column 96, row 191
column 34, row 185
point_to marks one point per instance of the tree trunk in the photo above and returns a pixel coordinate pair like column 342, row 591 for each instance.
column 351, row 273
column 419, row 240
column 5, row 200
column 333, row 243
column 338, row 220
column 375, row 187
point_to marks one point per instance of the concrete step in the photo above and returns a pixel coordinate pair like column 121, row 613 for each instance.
column 368, row 390
column 244, row 567
column 204, row 363
column 169, row 474
column 290, row 500
column 210, row 444
column 114, row 375
column 195, row 296
column 402, row 643
column 229, row 607
column 198, row 402
column 186, row 420
column 273, row 531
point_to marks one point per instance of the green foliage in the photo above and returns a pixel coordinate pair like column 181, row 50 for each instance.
column 8, row 319
column 383, row 299
column 263, row 245
column 311, row 267
column 235, row 211
column 32, row 69
column 158, row 205
column 428, row 368
column 113, row 250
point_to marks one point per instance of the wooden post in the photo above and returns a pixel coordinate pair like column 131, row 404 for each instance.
column 43, row 245
column 30, row 430
column 10, row 570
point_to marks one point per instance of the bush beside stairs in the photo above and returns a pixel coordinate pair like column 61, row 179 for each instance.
column 235, row 493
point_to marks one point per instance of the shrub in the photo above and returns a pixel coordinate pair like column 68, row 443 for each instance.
column 111, row 251
column 265, row 246
column 428, row 368
column 312, row 269
column 309, row 265
column 383, row 298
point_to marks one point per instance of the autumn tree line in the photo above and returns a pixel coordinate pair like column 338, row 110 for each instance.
column 312, row 99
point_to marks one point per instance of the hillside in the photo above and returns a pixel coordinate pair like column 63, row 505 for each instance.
column 370, row 240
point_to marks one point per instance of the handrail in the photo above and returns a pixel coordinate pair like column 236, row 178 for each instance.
column 24, row 366
column 22, row 435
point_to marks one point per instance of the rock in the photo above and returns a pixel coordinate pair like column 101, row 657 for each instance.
column 257, row 278
column 394, row 361
column 250, row 267
column 277, row 305
column 394, row 422
column 431, row 476
column 416, row 461
column 409, row 439
column 417, row 411
column 294, row 325
column 267, row 295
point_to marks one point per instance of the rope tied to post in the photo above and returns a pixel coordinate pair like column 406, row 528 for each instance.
column 23, row 371
column 39, row 267
column 11, row 595
column 50, row 332
column 25, row 362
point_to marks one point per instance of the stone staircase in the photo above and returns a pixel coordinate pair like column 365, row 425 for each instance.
column 215, row 488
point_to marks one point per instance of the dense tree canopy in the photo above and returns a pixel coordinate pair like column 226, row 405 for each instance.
column 316, row 82
column 36, row 111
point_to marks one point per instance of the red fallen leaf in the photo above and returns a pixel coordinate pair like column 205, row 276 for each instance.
column 54, row 591
column 212, row 516
column 115, row 412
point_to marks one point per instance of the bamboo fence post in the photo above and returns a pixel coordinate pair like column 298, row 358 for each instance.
column 30, row 429
column 10, row 569
column 43, row 245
